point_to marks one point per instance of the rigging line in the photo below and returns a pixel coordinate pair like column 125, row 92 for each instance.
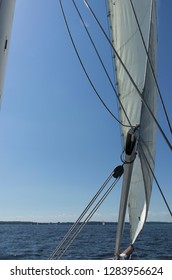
column 158, row 185
column 130, row 77
column 150, row 63
column 90, row 215
column 82, row 215
column 104, row 68
column 83, row 67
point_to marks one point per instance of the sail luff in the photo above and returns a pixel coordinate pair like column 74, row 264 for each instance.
column 128, row 43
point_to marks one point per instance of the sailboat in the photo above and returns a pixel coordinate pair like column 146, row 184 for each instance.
column 134, row 46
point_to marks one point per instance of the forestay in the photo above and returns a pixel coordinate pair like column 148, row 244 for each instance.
column 128, row 43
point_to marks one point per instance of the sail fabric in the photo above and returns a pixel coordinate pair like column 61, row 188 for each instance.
column 128, row 43
column 6, row 19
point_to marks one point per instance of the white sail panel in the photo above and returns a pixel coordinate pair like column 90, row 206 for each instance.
column 6, row 18
column 129, row 45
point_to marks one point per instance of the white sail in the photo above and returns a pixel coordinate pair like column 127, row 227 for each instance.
column 6, row 18
column 128, row 42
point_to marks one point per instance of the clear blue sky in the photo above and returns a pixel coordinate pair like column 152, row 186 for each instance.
column 57, row 142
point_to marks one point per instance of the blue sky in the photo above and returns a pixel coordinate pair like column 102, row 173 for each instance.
column 58, row 143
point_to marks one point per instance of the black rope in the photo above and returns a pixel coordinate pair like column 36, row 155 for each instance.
column 130, row 77
column 83, row 67
column 104, row 68
column 150, row 63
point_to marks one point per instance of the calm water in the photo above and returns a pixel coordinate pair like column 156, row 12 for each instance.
column 37, row 241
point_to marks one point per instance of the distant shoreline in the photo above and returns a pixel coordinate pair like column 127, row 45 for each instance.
column 92, row 222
